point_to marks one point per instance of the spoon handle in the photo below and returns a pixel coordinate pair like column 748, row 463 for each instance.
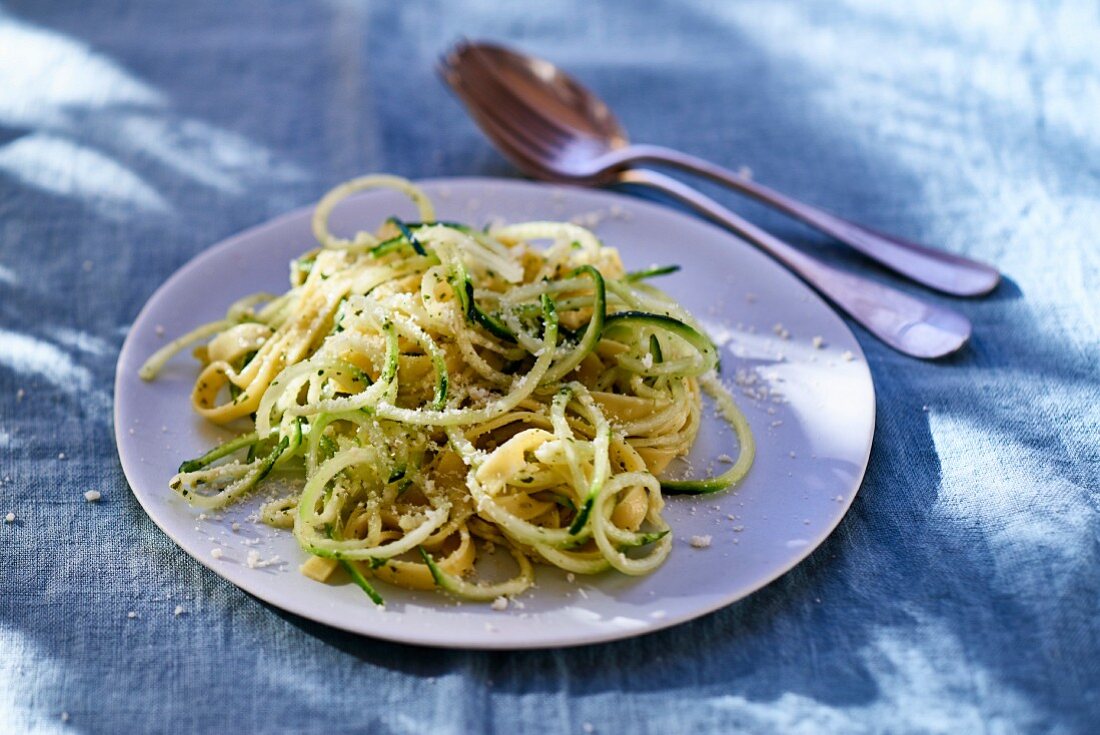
column 907, row 324
column 936, row 269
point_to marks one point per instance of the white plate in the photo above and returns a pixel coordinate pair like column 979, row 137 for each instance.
column 812, row 410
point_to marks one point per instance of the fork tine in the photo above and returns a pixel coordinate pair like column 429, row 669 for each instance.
column 519, row 133
column 480, row 74
column 529, row 165
column 505, row 138
column 526, row 149
column 476, row 54
column 506, row 114
column 503, row 133
column 482, row 102
column 514, row 146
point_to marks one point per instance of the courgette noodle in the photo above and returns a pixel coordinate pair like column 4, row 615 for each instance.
column 442, row 390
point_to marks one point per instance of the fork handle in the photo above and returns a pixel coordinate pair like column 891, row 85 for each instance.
column 907, row 324
column 934, row 268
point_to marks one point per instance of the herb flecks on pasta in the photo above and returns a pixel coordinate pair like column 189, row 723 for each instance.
column 437, row 386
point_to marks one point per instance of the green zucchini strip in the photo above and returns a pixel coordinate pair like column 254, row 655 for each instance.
column 653, row 272
column 222, row 450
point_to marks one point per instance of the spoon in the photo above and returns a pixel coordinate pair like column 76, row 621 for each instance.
column 907, row 324
column 574, row 137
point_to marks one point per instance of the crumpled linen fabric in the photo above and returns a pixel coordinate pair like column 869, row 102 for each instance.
column 961, row 592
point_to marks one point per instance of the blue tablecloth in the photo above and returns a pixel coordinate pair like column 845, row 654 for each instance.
column 960, row 594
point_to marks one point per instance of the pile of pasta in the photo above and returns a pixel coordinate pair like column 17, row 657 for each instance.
column 442, row 390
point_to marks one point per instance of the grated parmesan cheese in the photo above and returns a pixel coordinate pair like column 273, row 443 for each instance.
column 255, row 561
